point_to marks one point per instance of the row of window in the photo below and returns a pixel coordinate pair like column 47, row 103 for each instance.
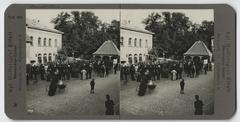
column 45, row 58
column 135, row 58
column 136, row 42
column 44, row 42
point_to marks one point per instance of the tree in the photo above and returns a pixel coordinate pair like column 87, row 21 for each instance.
column 174, row 33
column 84, row 32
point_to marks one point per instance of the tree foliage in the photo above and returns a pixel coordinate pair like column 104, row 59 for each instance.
column 174, row 33
column 84, row 32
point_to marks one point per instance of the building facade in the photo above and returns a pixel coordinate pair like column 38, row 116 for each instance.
column 135, row 44
column 42, row 43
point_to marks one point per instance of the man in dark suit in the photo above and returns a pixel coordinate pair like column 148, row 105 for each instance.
column 182, row 84
column 92, row 84
column 109, row 105
column 198, row 105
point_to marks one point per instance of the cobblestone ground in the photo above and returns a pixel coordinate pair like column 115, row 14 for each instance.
column 166, row 98
column 76, row 99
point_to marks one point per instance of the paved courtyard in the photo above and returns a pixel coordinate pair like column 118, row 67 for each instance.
column 166, row 98
column 76, row 99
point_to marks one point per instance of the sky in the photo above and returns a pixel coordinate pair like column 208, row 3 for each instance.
column 135, row 16
column 46, row 15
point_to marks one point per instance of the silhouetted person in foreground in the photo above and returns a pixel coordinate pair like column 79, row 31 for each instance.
column 182, row 84
column 92, row 84
column 198, row 105
column 109, row 105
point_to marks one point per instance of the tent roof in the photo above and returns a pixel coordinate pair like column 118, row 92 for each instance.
column 198, row 49
column 107, row 48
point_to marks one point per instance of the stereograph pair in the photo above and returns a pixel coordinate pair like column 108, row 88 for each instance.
column 120, row 61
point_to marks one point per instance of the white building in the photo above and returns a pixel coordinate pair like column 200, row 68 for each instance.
column 42, row 43
column 134, row 43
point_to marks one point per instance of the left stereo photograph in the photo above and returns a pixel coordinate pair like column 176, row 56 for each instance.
column 68, row 71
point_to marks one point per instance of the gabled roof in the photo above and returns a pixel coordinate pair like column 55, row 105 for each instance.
column 134, row 28
column 107, row 48
column 198, row 49
column 30, row 23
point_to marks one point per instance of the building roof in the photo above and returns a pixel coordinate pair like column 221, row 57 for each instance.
column 131, row 27
column 198, row 49
column 34, row 24
column 107, row 48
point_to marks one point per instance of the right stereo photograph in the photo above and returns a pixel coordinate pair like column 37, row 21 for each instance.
column 166, row 62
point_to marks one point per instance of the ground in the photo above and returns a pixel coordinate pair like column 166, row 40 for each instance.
column 75, row 100
column 166, row 99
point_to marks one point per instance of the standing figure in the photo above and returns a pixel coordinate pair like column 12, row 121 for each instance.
column 143, row 84
column 109, row 105
column 205, row 69
column 90, row 68
column 132, row 72
column 35, row 72
column 42, row 71
column 174, row 74
column 182, row 84
column 198, row 105
column 54, row 83
column 115, row 68
column 92, row 84
column 83, row 72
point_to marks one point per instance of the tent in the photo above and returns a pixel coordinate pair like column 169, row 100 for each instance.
column 108, row 48
column 198, row 49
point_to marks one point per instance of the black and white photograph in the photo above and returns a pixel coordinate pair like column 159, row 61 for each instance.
column 166, row 62
column 72, row 62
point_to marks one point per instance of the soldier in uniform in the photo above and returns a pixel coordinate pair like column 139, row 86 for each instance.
column 132, row 72
column 41, row 71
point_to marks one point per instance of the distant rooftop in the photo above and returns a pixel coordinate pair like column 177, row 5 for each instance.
column 198, row 49
column 127, row 25
column 35, row 24
column 107, row 48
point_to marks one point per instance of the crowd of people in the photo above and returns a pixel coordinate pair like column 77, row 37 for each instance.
column 146, row 73
column 84, row 70
column 56, row 73
column 173, row 70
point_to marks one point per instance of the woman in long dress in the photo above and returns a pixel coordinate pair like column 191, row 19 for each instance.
column 53, row 84
column 143, row 84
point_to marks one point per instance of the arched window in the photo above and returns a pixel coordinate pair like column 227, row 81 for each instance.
column 44, row 42
column 49, row 57
column 39, row 41
column 56, row 43
column 130, row 42
column 121, row 41
column 146, row 43
column 39, row 58
column 135, row 42
column 44, row 58
column 140, row 42
column 140, row 57
column 31, row 40
column 130, row 59
column 135, row 58
column 50, row 42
